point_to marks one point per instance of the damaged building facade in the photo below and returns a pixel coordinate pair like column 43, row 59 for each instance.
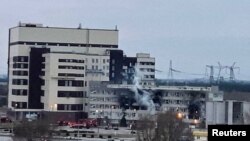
column 76, row 73
column 50, row 68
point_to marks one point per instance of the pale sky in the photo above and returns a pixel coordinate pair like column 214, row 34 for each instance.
column 191, row 33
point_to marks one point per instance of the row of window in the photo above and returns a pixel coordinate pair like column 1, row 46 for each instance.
column 19, row 92
column 71, row 83
column 70, row 75
column 174, row 109
column 106, row 113
column 97, row 60
column 97, row 74
column 149, row 76
column 147, row 69
column 20, row 59
column 104, row 106
column 19, row 82
column 146, row 83
column 96, row 67
column 63, row 44
column 75, row 94
column 107, row 99
column 20, row 73
column 71, row 60
column 182, row 102
column 71, row 67
column 181, row 94
column 20, row 65
column 104, row 92
column 147, row 63
column 69, row 107
column 19, row 105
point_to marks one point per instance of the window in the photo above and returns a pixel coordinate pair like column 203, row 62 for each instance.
column 43, row 59
column 71, row 67
column 71, row 83
column 96, row 60
column 20, row 73
column 104, row 61
column 19, row 81
column 69, row 106
column 73, row 94
column 43, row 66
column 96, row 67
column 62, row 60
column 71, row 60
column 52, row 44
column 21, row 92
column 19, row 105
column 93, row 60
column 20, row 65
column 20, row 59
column 113, row 61
column 70, row 75
column 42, row 73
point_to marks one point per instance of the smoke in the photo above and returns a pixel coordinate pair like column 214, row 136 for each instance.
column 142, row 97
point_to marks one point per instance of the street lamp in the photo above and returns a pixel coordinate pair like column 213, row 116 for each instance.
column 179, row 115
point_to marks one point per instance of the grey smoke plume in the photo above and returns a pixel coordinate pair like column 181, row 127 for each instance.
column 141, row 96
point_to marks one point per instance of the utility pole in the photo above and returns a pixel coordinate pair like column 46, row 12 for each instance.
column 220, row 68
column 231, row 69
column 211, row 75
column 170, row 71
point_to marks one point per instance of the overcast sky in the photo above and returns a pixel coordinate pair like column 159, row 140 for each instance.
column 191, row 33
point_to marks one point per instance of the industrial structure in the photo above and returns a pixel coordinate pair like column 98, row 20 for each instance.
column 76, row 73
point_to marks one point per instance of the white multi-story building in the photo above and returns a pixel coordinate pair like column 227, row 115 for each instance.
column 50, row 68
column 146, row 67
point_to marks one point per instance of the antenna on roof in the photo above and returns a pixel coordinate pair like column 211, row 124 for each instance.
column 19, row 24
column 115, row 27
column 80, row 26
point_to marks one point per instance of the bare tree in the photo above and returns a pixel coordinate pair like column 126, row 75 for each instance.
column 30, row 130
column 145, row 129
column 165, row 127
